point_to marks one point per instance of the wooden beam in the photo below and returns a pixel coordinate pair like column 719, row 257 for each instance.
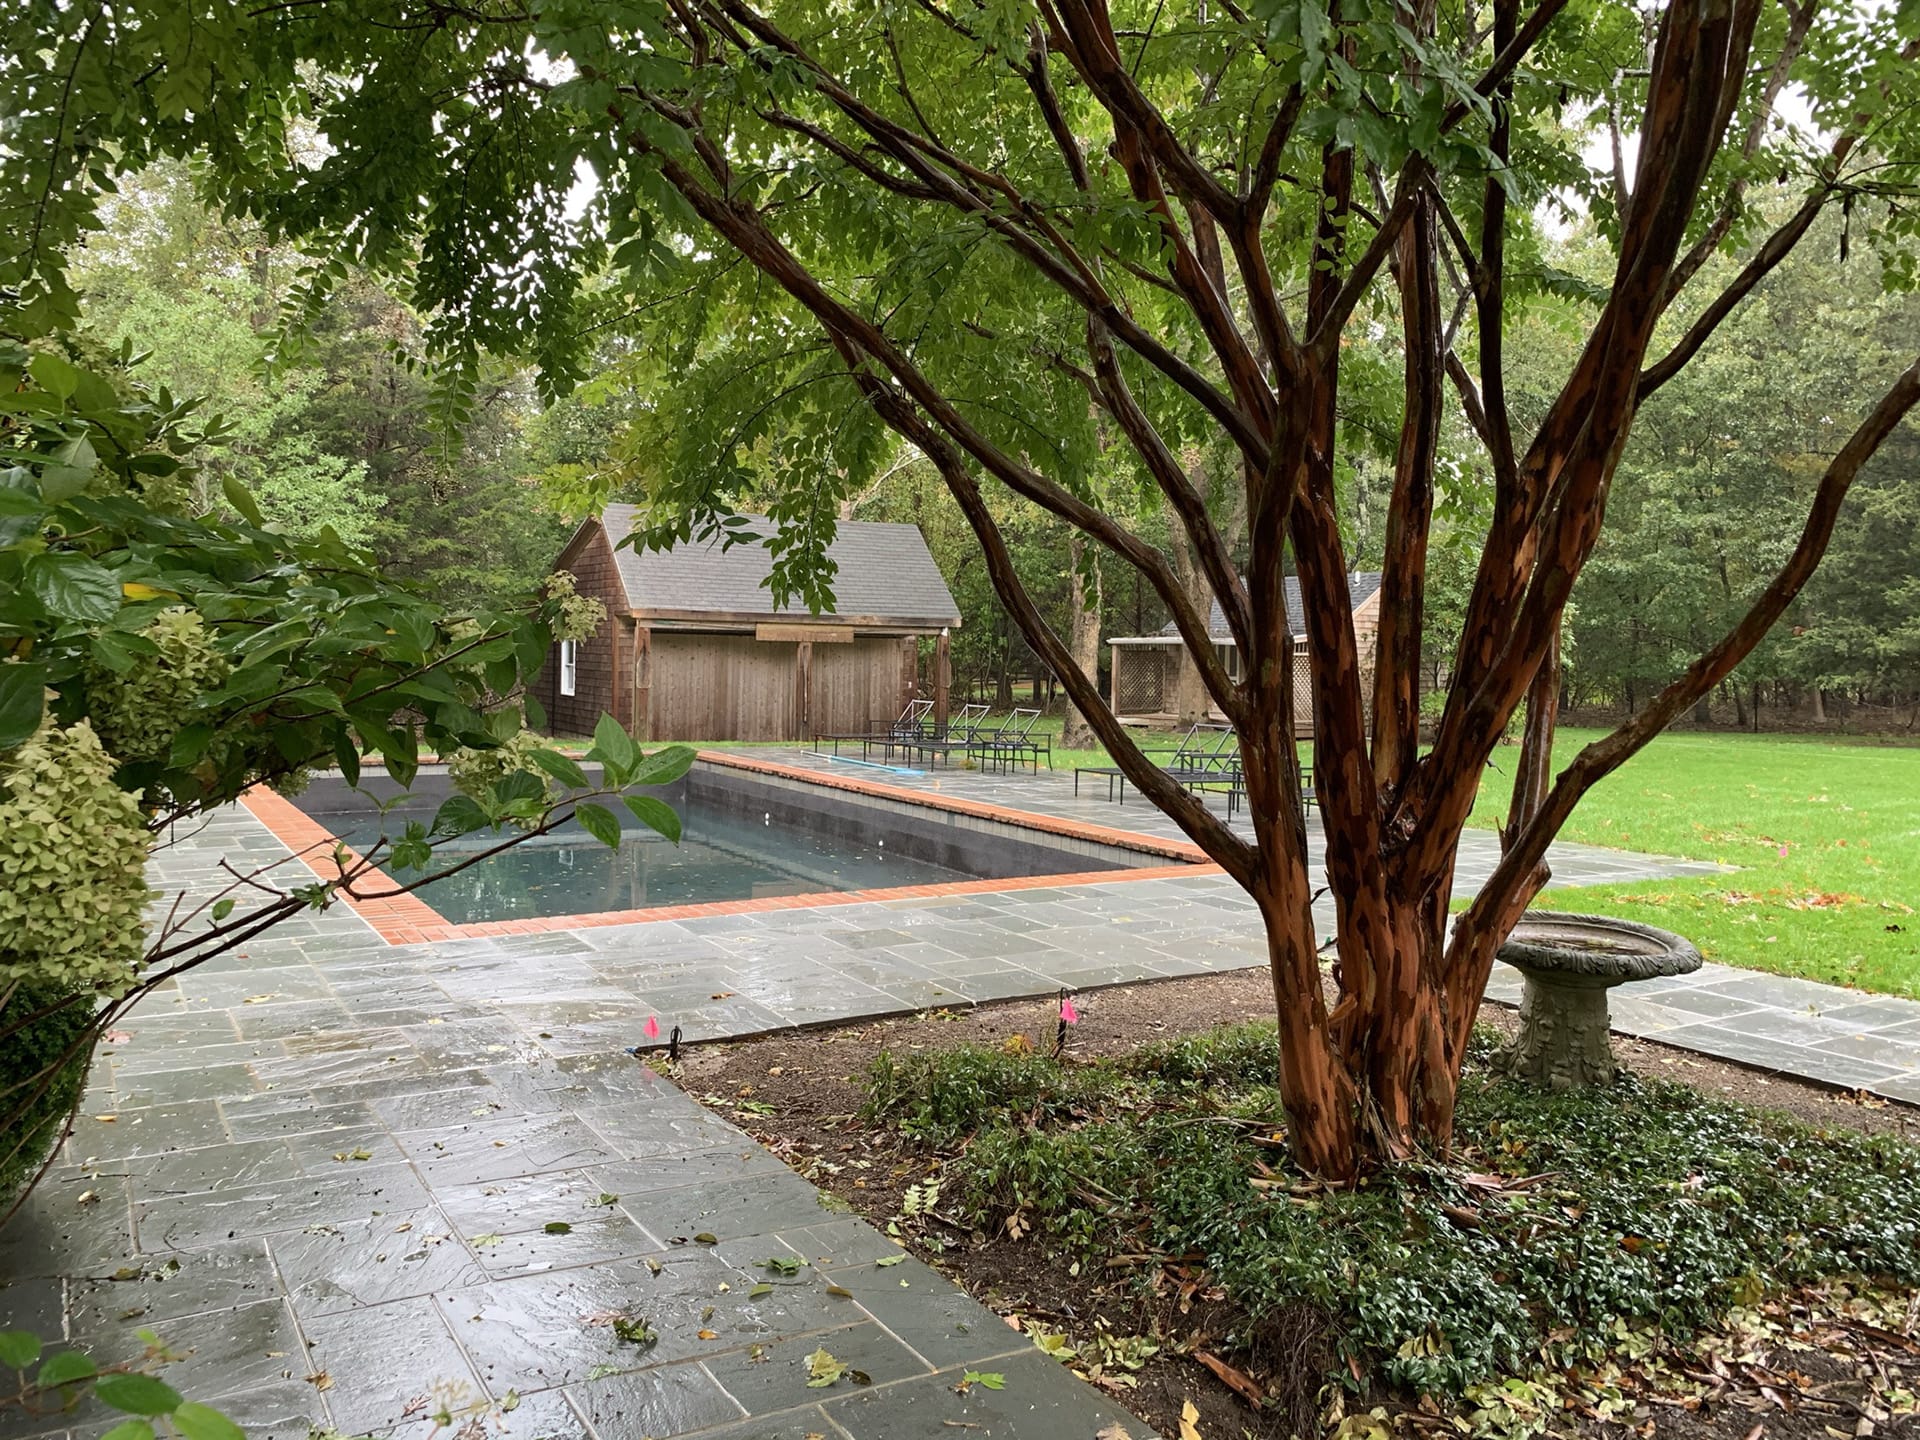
column 641, row 725
column 942, row 681
column 805, row 634
column 802, row 689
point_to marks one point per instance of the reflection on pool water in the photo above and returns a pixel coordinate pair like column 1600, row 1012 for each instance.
column 721, row 856
column 744, row 836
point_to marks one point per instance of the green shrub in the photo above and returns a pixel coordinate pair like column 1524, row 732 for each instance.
column 73, row 855
column 138, row 708
column 32, row 1110
column 1644, row 1208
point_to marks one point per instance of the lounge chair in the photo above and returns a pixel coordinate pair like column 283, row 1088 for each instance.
column 1013, row 742
column 958, row 735
column 1208, row 756
column 910, row 726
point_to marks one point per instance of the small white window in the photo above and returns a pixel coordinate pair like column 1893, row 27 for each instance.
column 569, row 667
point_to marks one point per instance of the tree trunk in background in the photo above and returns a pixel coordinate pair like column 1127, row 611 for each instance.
column 1003, row 683
column 1083, row 637
column 1191, row 702
column 1819, row 706
column 1189, row 690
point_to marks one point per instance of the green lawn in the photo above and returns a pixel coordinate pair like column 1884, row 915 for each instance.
column 1826, row 835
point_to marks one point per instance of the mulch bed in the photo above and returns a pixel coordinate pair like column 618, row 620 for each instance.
column 800, row 1094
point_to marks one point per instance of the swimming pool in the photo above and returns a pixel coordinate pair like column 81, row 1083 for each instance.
column 744, row 837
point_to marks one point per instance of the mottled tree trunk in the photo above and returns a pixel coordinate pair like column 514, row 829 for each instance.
column 1083, row 638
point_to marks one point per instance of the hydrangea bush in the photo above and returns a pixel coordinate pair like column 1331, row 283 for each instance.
column 157, row 661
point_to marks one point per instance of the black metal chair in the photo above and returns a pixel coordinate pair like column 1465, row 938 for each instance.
column 911, row 725
column 1207, row 757
column 958, row 736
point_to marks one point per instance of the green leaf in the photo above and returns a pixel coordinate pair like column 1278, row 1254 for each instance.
column 887, row 1260
column 137, row 1394
column 519, row 785
column 614, row 748
column 656, row 815
column 347, row 755
column 222, row 908
column 72, row 587
column 599, row 822
column 560, row 767
column 241, row 500
column 203, row 1422
column 54, row 375
column 19, row 1348
column 558, row 1227
column 990, row 1379
column 65, row 1368
column 663, row 766
column 22, row 702
column 458, row 815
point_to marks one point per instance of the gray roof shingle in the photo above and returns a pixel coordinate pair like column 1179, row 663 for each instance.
column 886, row 575
column 1361, row 585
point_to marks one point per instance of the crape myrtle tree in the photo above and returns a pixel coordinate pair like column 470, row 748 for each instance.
column 1012, row 231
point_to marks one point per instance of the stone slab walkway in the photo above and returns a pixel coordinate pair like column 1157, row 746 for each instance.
column 327, row 1166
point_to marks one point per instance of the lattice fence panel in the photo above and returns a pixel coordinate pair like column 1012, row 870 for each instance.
column 1142, row 678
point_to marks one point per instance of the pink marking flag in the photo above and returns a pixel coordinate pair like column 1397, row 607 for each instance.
column 651, row 1029
column 1068, row 1015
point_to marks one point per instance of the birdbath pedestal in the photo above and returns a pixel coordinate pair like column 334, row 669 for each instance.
column 1570, row 963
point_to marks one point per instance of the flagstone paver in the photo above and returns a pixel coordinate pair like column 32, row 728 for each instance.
column 327, row 1165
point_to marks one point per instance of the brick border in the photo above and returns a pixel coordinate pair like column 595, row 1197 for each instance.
column 980, row 809
column 402, row 918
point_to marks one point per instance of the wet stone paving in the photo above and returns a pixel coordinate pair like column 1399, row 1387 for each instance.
column 357, row 1182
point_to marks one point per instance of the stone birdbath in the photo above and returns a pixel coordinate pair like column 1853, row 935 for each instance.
column 1570, row 963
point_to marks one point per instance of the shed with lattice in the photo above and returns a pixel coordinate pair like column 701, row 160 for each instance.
column 1144, row 677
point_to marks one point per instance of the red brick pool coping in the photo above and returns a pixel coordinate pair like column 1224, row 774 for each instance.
column 401, row 918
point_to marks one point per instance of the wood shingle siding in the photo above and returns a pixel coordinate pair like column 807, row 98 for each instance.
column 693, row 647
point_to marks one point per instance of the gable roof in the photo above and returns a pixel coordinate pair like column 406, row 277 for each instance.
column 886, row 576
column 1362, row 586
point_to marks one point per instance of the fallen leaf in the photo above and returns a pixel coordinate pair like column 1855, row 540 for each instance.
column 481, row 1242
column 706, row 1238
column 320, row 1380
column 823, row 1369
column 889, row 1260
column 709, row 1334
column 256, row 999
column 1115, row 1431
column 558, row 1227
column 635, row 1330
column 1189, row 1421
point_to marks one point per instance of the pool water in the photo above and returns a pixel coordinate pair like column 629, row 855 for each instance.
column 744, row 837
column 721, row 856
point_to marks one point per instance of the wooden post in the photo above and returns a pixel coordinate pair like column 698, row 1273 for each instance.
column 803, row 689
column 641, row 724
column 942, row 680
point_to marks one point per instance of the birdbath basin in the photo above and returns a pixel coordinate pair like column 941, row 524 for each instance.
column 1570, row 963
